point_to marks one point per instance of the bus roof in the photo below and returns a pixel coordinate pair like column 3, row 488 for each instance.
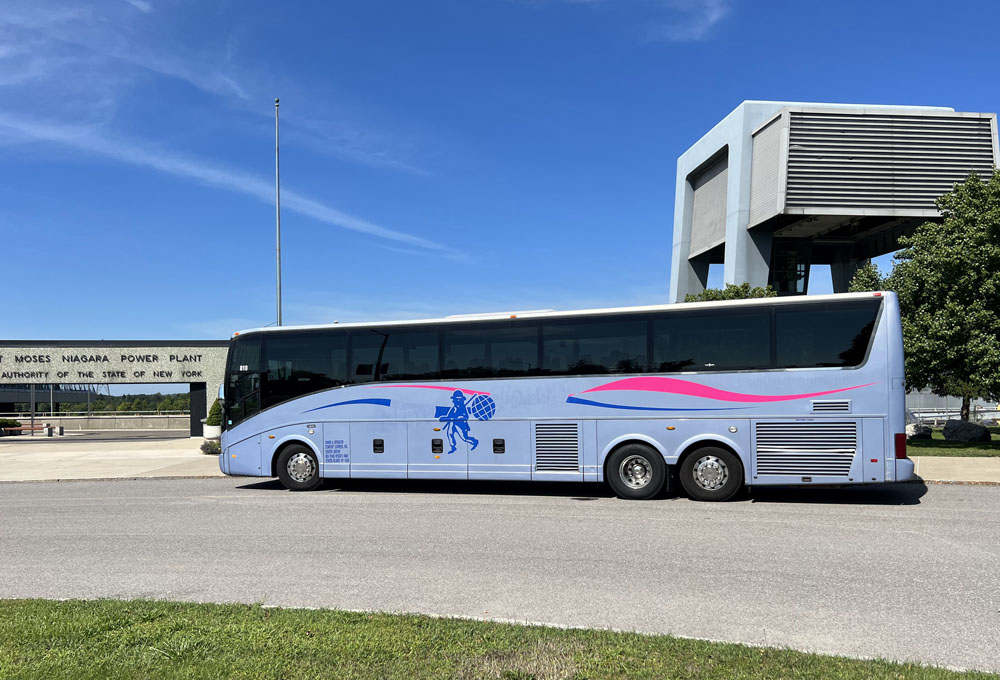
column 549, row 313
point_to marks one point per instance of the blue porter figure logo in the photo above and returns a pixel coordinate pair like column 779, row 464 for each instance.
column 456, row 417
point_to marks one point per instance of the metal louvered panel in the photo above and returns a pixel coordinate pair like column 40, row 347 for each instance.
column 882, row 161
column 557, row 447
column 708, row 210
column 832, row 406
column 817, row 449
column 764, row 172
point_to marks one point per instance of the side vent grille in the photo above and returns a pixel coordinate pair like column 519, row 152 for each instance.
column 557, row 447
column 832, row 406
column 812, row 449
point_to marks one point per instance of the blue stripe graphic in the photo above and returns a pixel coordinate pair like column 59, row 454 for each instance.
column 376, row 402
column 587, row 402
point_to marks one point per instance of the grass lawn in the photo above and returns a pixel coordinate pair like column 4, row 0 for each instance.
column 150, row 639
column 937, row 446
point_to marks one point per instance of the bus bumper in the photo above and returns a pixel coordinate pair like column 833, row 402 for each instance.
column 904, row 469
column 222, row 463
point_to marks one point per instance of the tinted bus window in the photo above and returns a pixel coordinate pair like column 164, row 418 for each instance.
column 297, row 363
column 723, row 340
column 490, row 350
column 833, row 335
column 394, row 354
column 598, row 345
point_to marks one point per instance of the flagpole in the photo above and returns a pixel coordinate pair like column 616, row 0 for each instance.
column 277, row 208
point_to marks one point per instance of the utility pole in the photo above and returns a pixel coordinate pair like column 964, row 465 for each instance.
column 277, row 207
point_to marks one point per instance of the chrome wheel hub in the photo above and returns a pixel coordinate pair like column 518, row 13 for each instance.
column 710, row 473
column 636, row 472
column 301, row 467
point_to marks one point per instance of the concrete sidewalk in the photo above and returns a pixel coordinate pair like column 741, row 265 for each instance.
column 959, row 469
column 42, row 458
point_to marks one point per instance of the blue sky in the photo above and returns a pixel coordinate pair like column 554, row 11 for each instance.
column 438, row 157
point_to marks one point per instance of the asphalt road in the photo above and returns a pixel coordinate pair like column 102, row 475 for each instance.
column 904, row 572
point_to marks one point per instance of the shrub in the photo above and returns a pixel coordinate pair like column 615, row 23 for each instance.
column 214, row 414
column 9, row 422
column 211, row 447
column 731, row 292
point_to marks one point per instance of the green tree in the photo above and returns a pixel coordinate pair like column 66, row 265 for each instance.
column 214, row 414
column 868, row 277
column 731, row 292
column 948, row 279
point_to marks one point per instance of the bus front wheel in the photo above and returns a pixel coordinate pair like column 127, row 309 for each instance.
column 298, row 468
column 636, row 472
column 712, row 474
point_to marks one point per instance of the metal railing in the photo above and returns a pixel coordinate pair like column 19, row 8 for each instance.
column 936, row 417
column 84, row 412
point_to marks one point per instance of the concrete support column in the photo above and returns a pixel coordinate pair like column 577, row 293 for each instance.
column 748, row 253
column 685, row 277
column 842, row 270
column 198, row 408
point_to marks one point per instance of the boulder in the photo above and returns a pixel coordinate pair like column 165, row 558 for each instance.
column 961, row 431
column 918, row 431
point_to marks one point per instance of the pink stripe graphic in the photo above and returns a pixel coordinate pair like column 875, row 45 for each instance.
column 692, row 389
column 432, row 387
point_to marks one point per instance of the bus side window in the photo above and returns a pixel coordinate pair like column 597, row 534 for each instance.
column 835, row 335
column 712, row 341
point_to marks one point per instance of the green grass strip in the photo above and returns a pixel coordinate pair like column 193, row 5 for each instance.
column 153, row 639
column 938, row 446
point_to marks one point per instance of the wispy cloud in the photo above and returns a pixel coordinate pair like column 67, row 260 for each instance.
column 87, row 139
column 71, row 55
column 694, row 20
column 141, row 5
column 674, row 20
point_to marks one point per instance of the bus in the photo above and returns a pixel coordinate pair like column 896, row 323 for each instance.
column 720, row 396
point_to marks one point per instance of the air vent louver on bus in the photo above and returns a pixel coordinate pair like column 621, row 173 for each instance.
column 832, row 406
column 557, row 447
column 815, row 449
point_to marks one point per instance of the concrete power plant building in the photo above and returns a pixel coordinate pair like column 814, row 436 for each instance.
column 775, row 187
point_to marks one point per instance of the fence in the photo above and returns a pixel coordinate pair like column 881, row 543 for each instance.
column 936, row 417
column 112, row 420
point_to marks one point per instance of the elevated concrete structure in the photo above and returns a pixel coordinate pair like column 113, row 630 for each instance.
column 778, row 186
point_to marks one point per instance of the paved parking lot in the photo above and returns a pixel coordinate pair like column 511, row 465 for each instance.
column 903, row 571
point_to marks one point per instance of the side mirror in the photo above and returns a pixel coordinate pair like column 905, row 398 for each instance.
column 222, row 392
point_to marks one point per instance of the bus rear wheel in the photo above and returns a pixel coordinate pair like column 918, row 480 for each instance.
column 636, row 472
column 298, row 468
column 712, row 474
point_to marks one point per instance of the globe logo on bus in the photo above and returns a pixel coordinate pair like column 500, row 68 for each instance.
column 456, row 417
column 482, row 407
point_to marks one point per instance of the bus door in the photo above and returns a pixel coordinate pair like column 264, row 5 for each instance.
column 439, row 450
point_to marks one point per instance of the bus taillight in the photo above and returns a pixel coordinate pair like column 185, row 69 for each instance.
column 900, row 445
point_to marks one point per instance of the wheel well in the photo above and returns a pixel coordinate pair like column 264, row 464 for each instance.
column 281, row 447
column 703, row 443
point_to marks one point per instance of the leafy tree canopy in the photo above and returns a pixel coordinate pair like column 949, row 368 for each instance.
column 948, row 279
column 868, row 277
column 731, row 292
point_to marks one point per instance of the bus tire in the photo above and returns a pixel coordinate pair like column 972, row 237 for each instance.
column 298, row 468
column 712, row 473
column 636, row 472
